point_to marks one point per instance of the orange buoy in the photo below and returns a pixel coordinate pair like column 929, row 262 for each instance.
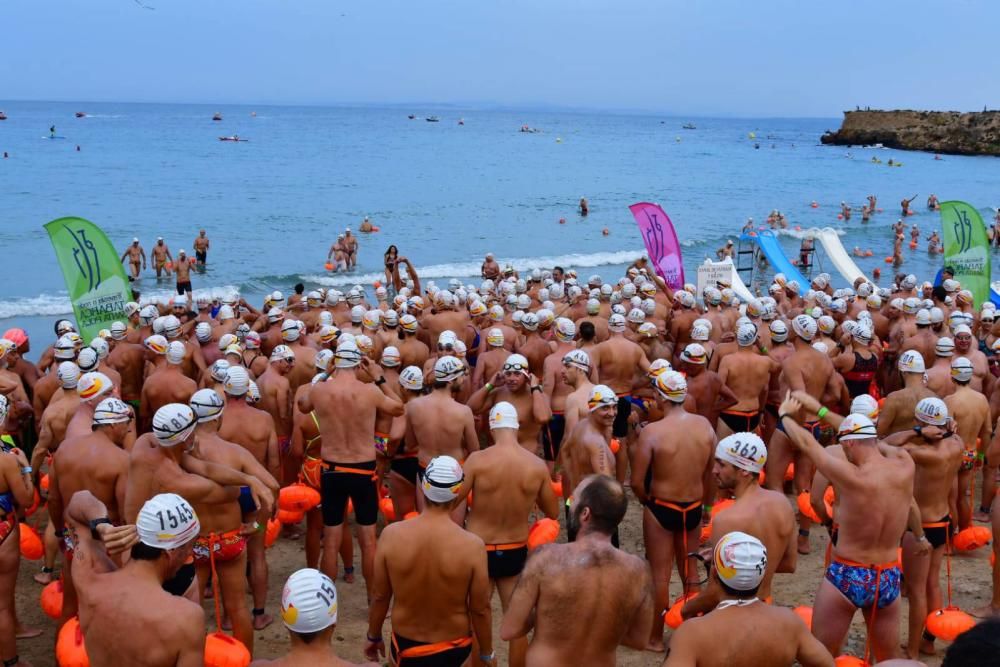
column 44, row 482
column 805, row 508
column 798, row 228
column 868, row 253
column 913, row 245
column 706, row 531
column 615, row 445
column 849, row 661
column 557, row 487
column 271, row 532
column 410, row 515
column 790, row 472
column 31, row 543
column 605, row 231
column 814, row 205
column 388, row 511
column 350, row 507
column 888, row 260
column 543, row 531
column 328, row 266
column 829, row 497
column 221, row 650
column 949, row 623
column 376, row 228
column 673, row 616
column 35, row 502
column 806, row 614
column 562, row 221
column 70, row 651
column 298, row 497
column 52, row 599
column 840, row 216
column 721, row 505
column 289, row 516
column 377, row 284
column 972, row 538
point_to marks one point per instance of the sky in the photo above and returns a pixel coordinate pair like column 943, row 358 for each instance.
column 708, row 57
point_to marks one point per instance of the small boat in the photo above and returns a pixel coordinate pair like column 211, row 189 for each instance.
column 432, row 119
column 529, row 130
column 688, row 126
column 253, row 114
column 217, row 116
column 233, row 138
column 412, row 117
column 80, row 114
column 3, row 116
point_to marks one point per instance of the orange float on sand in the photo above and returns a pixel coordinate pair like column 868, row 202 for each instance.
column 806, row 614
column 289, row 516
column 44, row 482
column 949, row 623
column 673, row 616
column 721, row 505
column 557, row 487
column 410, row 515
column 271, row 532
column 805, row 507
column 52, row 599
column 221, row 650
column 31, row 543
column 543, row 531
column 298, row 497
column 70, row 651
column 388, row 511
column 849, row 661
column 972, row 538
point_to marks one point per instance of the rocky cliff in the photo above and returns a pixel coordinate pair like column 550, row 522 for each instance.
column 952, row 132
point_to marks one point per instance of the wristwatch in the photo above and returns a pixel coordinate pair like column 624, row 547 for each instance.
column 379, row 382
column 536, row 388
column 94, row 523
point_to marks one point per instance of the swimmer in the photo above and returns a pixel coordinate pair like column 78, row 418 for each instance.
column 347, row 404
column 556, row 388
column 165, row 385
column 434, row 575
column 366, row 226
column 731, row 635
column 898, row 408
column 517, row 385
column 588, row 445
column 507, row 482
column 129, row 360
column 135, row 255
column 160, row 255
column 182, row 267
column 584, row 207
column 970, row 411
column 309, row 612
column 201, row 245
column 351, row 248
column 904, row 205
column 490, row 270
column 747, row 374
column 725, row 251
column 128, row 614
column 575, row 580
column 276, row 400
column 864, row 573
column 669, row 466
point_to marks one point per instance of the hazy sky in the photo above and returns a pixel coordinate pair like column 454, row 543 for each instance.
column 732, row 57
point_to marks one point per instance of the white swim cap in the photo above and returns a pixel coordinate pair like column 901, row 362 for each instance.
column 862, row 333
column 699, row 331
column 694, row 354
column 282, row 353
column 740, row 561
column 93, row 385
column 203, row 332
column 601, row 396
column 171, row 326
column 225, row 313
column 746, row 451
column 746, row 334
column 443, row 478
column 237, row 381
column 856, row 427
column 865, row 404
column 577, row 359
column 68, row 374
column 322, row 360
column 412, row 378
column 308, row 602
column 495, row 338
column 253, row 393
column 118, row 330
column 503, row 415
column 87, row 359
column 448, row 368
column 175, row 353
column 804, row 327
column 672, row 386
column 826, row 324
column 110, row 411
column 911, row 361
column 923, row 318
column 945, row 347
column 932, row 411
column 218, row 370
column 962, row 370
column 390, row 357
column 348, row 355
column 290, row 331
column 173, row 424
column 207, row 405
column 616, row 323
column 167, row 521
column 779, row 331
column 517, row 363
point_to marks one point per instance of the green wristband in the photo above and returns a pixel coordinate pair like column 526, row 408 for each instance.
column 822, row 412
column 489, row 387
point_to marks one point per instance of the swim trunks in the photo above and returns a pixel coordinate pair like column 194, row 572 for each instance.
column 506, row 560
column 355, row 481
column 7, row 526
column 225, row 547
column 312, row 469
column 409, row 653
column 823, row 433
column 201, row 256
column 620, row 427
column 284, row 444
column 968, row 459
column 552, row 436
column 865, row 585
column 676, row 517
column 741, row 422
column 180, row 582
column 937, row 531
column 381, row 443
column 406, row 467
column 184, row 286
column 247, row 505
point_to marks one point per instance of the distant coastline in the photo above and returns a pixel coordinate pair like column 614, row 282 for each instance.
column 951, row 132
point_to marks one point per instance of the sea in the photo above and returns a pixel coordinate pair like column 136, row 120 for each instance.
column 444, row 192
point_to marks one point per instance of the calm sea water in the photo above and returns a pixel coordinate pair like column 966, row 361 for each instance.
column 444, row 193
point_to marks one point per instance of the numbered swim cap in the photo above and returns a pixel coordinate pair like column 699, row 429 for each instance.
column 911, row 361
column 237, row 381
column 308, row 602
column 932, row 411
column 110, row 411
column 322, row 360
column 411, row 378
column 746, row 451
column 173, row 424
column 207, row 405
column 167, row 521
column 740, row 560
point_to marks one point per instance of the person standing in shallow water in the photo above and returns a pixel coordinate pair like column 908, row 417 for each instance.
column 584, row 207
column 201, row 244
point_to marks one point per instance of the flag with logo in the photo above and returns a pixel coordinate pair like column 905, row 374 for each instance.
column 95, row 278
column 966, row 247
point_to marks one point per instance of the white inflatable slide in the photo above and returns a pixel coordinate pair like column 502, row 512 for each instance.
column 837, row 254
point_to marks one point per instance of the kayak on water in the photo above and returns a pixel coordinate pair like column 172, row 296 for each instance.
column 233, row 138
column 53, row 137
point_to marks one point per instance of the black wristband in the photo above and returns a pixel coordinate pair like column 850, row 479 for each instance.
column 94, row 523
column 536, row 388
column 379, row 382
column 780, row 417
column 376, row 640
